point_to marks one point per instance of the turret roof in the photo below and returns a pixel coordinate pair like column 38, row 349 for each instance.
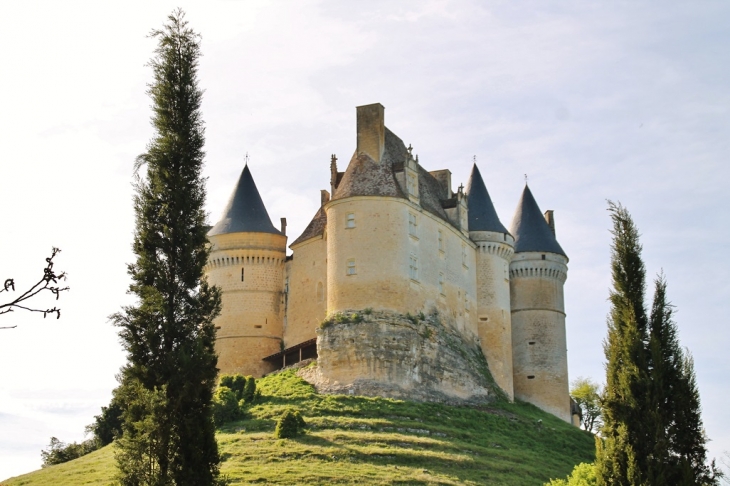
column 316, row 227
column 482, row 215
column 245, row 211
column 529, row 228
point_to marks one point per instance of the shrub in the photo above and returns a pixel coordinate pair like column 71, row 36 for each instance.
column 236, row 383
column 289, row 425
column 225, row 405
column 249, row 390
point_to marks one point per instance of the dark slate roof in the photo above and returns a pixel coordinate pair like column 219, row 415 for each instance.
column 315, row 228
column 245, row 211
column 365, row 177
column 530, row 230
column 482, row 215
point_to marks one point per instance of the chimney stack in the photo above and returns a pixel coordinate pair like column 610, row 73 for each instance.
column 283, row 226
column 371, row 130
column 550, row 220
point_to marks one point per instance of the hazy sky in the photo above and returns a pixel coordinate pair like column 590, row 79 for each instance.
column 626, row 101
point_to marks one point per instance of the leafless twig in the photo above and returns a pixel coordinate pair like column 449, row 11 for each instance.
column 49, row 282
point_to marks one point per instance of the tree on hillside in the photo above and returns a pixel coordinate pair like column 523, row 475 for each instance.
column 587, row 395
column 652, row 430
column 167, row 385
column 47, row 283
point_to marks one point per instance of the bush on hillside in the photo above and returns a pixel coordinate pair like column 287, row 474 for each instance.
column 59, row 452
column 225, row 406
column 243, row 386
column 583, row 474
column 290, row 424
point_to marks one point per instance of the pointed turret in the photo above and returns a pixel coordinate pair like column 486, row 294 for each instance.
column 482, row 215
column 245, row 211
column 530, row 230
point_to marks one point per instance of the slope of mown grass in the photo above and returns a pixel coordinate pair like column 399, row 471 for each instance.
column 361, row 440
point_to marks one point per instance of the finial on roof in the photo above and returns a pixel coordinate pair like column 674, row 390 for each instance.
column 245, row 160
column 525, row 179
column 482, row 215
column 410, row 149
column 245, row 211
column 416, row 158
column 474, row 160
column 529, row 228
column 333, row 159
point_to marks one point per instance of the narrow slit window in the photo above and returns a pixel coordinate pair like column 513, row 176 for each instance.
column 350, row 221
column 463, row 255
column 441, row 283
column 441, row 240
column 530, row 377
column 242, row 275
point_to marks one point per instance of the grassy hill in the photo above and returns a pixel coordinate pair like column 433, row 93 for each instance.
column 361, row 440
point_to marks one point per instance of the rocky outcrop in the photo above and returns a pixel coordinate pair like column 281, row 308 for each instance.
column 397, row 356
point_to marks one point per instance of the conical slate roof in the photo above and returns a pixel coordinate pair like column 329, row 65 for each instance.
column 482, row 215
column 245, row 211
column 530, row 230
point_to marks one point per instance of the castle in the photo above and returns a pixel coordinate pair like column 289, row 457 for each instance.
column 392, row 237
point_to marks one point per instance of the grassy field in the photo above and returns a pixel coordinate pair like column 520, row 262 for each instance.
column 360, row 440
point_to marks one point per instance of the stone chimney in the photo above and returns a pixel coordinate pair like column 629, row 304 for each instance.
column 550, row 220
column 283, row 226
column 371, row 130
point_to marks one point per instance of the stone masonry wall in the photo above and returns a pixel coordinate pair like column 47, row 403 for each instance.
column 408, row 357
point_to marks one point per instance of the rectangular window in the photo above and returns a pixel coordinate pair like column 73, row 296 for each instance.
column 350, row 220
column 351, row 270
column 413, row 267
column 286, row 286
column 411, row 184
column 441, row 283
column 441, row 240
column 412, row 224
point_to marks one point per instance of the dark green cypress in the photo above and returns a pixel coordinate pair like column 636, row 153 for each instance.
column 652, row 430
column 679, row 453
column 169, row 436
column 622, row 455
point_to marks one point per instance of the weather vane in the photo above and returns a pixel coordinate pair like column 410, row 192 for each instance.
column 525, row 178
column 474, row 159
column 245, row 159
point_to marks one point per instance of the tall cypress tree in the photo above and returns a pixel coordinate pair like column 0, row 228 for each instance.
column 169, row 436
column 652, row 431
column 622, row 454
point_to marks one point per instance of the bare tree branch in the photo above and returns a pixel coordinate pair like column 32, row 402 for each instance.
column 48, row 282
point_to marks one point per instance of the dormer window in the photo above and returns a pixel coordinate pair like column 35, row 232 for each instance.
column 412, row 184
column 350, row 222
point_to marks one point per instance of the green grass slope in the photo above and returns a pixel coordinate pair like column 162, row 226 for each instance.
column 361, row 440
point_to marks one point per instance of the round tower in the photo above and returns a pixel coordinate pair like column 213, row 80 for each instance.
column 247, row 263
column 537, row 273
column 495, row 247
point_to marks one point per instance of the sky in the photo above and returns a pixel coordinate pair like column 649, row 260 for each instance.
column 627, row 101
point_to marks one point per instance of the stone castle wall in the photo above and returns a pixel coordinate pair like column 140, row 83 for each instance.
column 250, row 267
column 306, row 300
column 538, row 331
column 383, row 246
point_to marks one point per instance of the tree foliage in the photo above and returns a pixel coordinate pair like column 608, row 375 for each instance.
column 583, row 474
column 587, row 395
column 59, row 452
column 169, row 337
column 652, row 431
column 49, row 282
